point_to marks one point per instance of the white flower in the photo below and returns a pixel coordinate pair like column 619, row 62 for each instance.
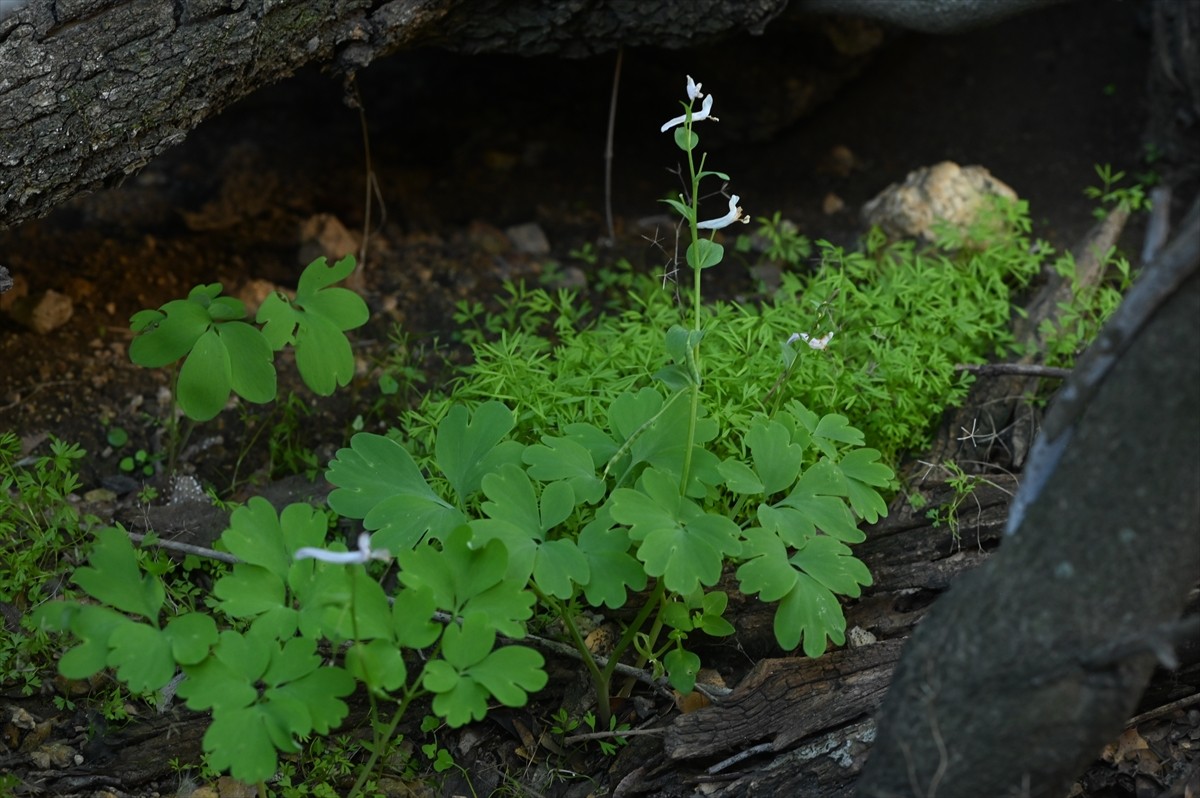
column 735, row 215
column 694, row 89
column 364, row 553
column 814, row 343
column 705, row 112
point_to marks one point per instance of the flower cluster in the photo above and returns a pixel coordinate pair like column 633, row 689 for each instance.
column 736, row 214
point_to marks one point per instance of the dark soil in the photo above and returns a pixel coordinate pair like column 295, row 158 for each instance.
column 464, row 148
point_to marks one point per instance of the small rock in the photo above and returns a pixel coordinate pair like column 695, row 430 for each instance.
column 945, row 192
column 487, row 238
column 6, row 280
column 55, row 755
column 43, row 313
column 324, row 235
column 840, row 161
column 832, row 204
column 232, row 788
column 254, row 292
column 529, row 238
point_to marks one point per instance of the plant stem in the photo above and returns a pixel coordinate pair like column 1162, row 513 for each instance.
column 381, row 739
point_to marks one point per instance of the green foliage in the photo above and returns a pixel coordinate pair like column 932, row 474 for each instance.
column 223, row 354
column 579, row 461
column 1110, row 194
column 266, row 686
column 38, row 528
column 779, row 241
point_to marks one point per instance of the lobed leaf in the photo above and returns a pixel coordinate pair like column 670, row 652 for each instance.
column 113, row 577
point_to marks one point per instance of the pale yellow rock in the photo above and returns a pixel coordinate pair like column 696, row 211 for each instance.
column 945, row 192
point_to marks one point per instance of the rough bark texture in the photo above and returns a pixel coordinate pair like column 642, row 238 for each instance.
column 91, row 90
column 1031, row 662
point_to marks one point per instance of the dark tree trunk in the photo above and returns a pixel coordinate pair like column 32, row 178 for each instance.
column 1033, row 661
column 91, row 90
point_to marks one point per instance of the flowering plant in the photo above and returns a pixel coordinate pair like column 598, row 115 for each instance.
column 635, row 499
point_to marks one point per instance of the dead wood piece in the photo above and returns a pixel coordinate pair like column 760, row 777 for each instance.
column 786, row 700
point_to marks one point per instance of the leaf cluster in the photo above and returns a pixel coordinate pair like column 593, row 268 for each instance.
column 264, row 679
column 222, row 353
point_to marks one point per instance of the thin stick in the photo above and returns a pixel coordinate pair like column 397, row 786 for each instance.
column 1024, row 369
column 186, row 548
column 608, row 147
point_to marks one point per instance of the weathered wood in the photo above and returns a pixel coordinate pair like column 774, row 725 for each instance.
column 91, row 90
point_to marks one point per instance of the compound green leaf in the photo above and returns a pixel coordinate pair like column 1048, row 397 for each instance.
column 279, row 320
column 466, row 645
column 365, row 614
column 191, row 637
column 323, row 354
column 205, row 380
column 776, row 459
column 565, row 459
column 679, row 541
column 142, row 656
column 378, row 482
column 226, row 308
column 257, row 536
column 252, row 364
column 611, row 569
column 740, row 478
column 212, row 684
column 629, row 411
column 285, row 718
column 321, row 692
column 237, row 740
column 168, row 334
column 412, row 614
column 835, row 428
column 766, row 570
column 378, row 664
column 832, row 564
column 249, row 591
column 812, row 613
column 468, row 576
column 864, row 473
column 511, row 498
column 558, row 566
column 469, row 445
column 295, row 659
column 246, row 655
column 94, row 626
column 113, row 577
column 458, row 700
column 510, row 674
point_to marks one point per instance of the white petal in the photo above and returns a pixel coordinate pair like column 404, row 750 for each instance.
column 679, row 120
column 705, row 112
column 734, row 214
column 693, row 89
column 337, row 557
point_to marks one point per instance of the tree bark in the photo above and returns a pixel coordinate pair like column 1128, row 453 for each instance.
column 91, row 90
column 1033, row 661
